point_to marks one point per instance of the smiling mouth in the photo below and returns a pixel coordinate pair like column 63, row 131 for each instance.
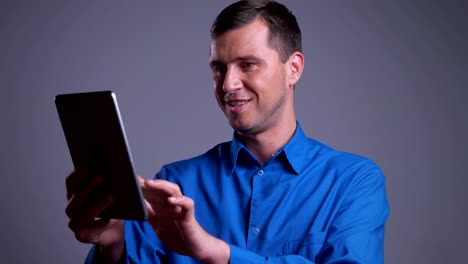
column 238, row 103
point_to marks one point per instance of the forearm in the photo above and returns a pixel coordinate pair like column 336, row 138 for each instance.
column 216, row 252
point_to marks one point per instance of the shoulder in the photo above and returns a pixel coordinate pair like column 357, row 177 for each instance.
column 350, row 176
column 341, row 163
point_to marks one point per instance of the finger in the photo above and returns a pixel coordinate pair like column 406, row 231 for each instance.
column 75, row 179
column 141, row 180
column 151, row 212
column 83, row 196
column 91, row 231
column 183, row 201
column 152, row 217
column 89, row 214
column 103, row 232
column 155, row 190
column 163, row 186
column 183, row 205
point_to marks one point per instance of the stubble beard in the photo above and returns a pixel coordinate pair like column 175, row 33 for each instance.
column 264, row 120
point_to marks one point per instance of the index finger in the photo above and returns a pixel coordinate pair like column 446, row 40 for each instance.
column 75, row 179
column 159, row 190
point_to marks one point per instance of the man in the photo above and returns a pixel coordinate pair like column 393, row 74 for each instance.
column 271, row 195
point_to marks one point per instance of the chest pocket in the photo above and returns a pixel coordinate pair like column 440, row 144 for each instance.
column 308, row 247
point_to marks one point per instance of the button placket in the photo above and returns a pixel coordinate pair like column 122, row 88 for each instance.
column 255, row 219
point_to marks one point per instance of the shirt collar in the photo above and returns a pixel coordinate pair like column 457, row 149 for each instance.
column 236, row 146
column 293, row 150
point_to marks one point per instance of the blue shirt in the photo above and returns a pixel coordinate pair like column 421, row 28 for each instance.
column 307, row 204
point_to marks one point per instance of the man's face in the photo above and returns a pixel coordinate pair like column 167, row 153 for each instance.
column 249, row 79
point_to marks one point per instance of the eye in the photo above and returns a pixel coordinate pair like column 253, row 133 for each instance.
column 218, row 69
column 247, row 66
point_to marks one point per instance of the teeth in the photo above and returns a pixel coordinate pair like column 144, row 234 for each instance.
column 237, row 103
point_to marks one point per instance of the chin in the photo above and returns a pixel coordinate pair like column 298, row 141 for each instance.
column 240, row 127
column 247, row 130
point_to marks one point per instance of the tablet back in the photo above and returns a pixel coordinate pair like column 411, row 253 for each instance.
column 96, row 139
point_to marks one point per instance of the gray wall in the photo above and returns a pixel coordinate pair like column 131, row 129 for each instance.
column 384, row 80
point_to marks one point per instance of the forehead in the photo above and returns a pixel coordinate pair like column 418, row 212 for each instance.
column 249, row 40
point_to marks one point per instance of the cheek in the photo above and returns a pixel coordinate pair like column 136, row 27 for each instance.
column 218, row 87
column 218, row 83
column 274, row 80
column 264, row 83
column 218, row 92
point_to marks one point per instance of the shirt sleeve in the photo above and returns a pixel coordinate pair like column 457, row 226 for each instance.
column 356, row 235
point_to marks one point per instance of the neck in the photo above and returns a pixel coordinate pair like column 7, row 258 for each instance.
column 263, row 145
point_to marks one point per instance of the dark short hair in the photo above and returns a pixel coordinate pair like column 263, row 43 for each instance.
column 284, row 32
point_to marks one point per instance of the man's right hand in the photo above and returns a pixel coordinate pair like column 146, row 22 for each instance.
column 86, row 200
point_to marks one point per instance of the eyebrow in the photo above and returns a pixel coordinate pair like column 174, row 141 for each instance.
column 240, row 58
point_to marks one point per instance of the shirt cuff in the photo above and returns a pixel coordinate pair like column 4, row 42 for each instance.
column 243, row 256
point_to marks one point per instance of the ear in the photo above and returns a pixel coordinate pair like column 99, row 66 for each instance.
column 295, row 66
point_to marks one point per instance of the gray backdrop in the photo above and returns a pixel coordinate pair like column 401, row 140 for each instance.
column 385, row 80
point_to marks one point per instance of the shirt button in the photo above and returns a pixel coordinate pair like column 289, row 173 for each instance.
column 260, row 172
column 256, row 231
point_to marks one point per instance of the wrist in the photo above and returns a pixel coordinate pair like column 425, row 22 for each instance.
column 111, row 254
column 218, row 252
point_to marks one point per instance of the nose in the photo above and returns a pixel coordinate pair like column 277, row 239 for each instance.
column 232, row 81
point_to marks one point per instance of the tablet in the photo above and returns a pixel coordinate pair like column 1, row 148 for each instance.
column 96, row 139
